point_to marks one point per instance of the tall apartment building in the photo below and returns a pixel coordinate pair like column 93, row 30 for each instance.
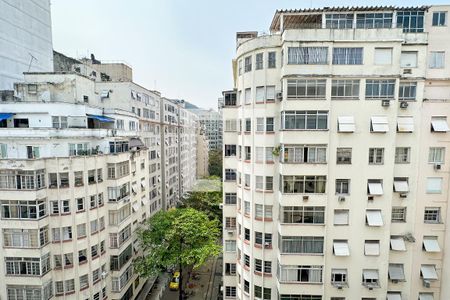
column 25, row 40
column 211, row 122
column 336, row 146
column 82, row 166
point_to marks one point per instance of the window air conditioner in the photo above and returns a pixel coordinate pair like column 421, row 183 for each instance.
column 437, row 166
column 385, row 103
column 279, row 96
column 394, row 281
column 220, row 206
column 403, row 195
column 341, row 199
column 403, row 104
column 230, row 232
column 407, row 71
column 305, row 198
column 426, row 283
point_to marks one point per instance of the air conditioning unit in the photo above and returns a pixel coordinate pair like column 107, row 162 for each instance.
column 426, row 283
column 305, row 198
column 394, row 281
column 220, row 206
column 403, row 195
column 404, row 104
column 437, row 166
column 266, row 244
column 341, row 199
column 409, row 237
column 385, row 103
column 279, row 96
column 339, row 287
column 370, row 198
column 230, row 232
column 407, row 71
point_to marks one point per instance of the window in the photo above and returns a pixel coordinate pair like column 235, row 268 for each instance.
column 339, row 277
column 230, row 150
column 303, row 154
column 263, row 293
column 230, row 246
column 434, row 185
column 346, row 124
column 374, row 218
column 248, row 125
column 84, row 281
column 230, row 222
column 263, row 239
column 230, row 291
column 436, row 60
column 380, row 89
column 397, row 243
column 439, row 18
column 259, row 95
column 402, row 155
column 247, row 260
column 24, row 210
column 436, row 155
column 32, row 152
column 370, row 278
column 230, row 125
column 271, row 61
column 398, row 214
column 340, row 21
column 263, row 211
column 269, row 124
column 405, row 124
column 230, row 198
column 230, row 174
column 408, row 59
column 428, row 272
column 376, row 156
column 248, row 64
column 379, row 124
column 340, row 248
column 430, row 244
column 372, row 247
column 81, row 230
column 347, row 56
column 302, row 214
column 396, row 272
column 230, row 269
column 375, row 187
column 410, row 21
column 407, row 91
column 344, row 89
column 383, row 56
column 305, row 274
column 240, row 67
column 306, row 88
column 301, row 244
column 80, row 204
column 374, row 20
column 304, row 120
column 343, row 156
column 303, row 184
column 342, row 186
column 439, row 124
column 341, row 216
column 307, row 55
column 259, row 61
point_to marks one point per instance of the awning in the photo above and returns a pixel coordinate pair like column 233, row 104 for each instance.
column 144, row 201
column 372, row 249
column 5, row 116
column 136, row 142
column 431, row 245
column 104, row 94
column 439, row 124
column 405, row 124
column 374, row 218
column 134, row 188
column 370, row 274
column 375, row 188
column 346, row 124
column 340, row 217
column 143, row 184
column 136, row 207
column 394, row 296
column 101, row 118
column 396, row 272
column 426, row 297
column 398, row 244
column 341, row 248
column 428, row 272
column 401, row 186
column 380, row 124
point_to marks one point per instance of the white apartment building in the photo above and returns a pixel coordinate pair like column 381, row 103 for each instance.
column 336, row 157
column 25, row 40
column 81, row 169
column 211, row 122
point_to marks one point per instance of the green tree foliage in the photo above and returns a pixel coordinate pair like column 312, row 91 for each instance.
column 182, row 237
column 207, row 202
column 215, row 163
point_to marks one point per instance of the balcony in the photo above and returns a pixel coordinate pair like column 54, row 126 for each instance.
column 48, row 133
column 357, row 34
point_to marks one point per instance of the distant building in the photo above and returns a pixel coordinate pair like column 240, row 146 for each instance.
column 211, row 122
column 25, row 40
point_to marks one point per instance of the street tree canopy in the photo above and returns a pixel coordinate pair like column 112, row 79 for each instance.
column 177, row 238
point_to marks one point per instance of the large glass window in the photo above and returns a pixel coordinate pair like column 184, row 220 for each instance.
column 303, row 184
column 374, row 20
column 380, row 89
column 304, row 120
column 15, row 209
column 347, row 56
column 439, row 18
column 303, row 154
column 345, row 89
column 301, row 244
column 307, row 55
column 410, row 21
column 340, row 21
column 302, row 214
column 407, row 91
column 306, row 88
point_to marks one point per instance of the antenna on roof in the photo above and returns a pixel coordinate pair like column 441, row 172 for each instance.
column 31, row 61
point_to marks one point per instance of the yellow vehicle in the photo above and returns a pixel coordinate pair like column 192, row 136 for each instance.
column 175, row 281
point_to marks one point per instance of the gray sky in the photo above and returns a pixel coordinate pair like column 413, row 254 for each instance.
column 183, row 48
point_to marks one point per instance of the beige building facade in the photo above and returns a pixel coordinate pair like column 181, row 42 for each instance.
column 336, row 169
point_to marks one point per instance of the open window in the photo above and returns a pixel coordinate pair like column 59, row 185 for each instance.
column 340, row 248
column 401, row 185
column 396, row 272
column 375, row 187
column 374, row 218
column 405, row 124
column 346, row 124
column 398, row 244
column 430, row 244
column 379, row 124
column 439, row 124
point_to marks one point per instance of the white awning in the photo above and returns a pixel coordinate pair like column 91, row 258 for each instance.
column 144, row 201
column 372, row 249
column 401, row 186
column 394, row 296
column 380, row 124
column 396, row 272
column 375, row 188
column 341, row 248
column 398, row 244
column 346, row 124
column 405, row 124
column 431, row 245
column 143, row 184
column 340, row 217
column 104, row 94
column 134, row 188
column 374, row 218
column 370, row 274
column 429, row 272
column 426, row 297
column 439, row 124
column 136, row 207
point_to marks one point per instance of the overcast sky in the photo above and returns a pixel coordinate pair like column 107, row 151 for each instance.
column 183, row 48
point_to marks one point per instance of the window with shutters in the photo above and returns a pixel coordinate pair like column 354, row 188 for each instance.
column 347, row 56
column 408, row 59
column 308, row 55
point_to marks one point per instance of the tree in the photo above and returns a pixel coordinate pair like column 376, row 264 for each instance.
column 207, row 202
column 215, row 163
column 182, row 237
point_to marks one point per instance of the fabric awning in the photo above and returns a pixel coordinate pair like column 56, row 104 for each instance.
column 394, row 296
column 372, row 249
column 429, row 272
column 375, row 188
column 398, row 244
column 431, row 245
column 341, row 248
column 101, row 118
column 396, row 272
column 401, row 186
column 370, row 274
column 380, row 124
column 346, row 124
column 426, row 297
column 374, row 218
column 439, row 125
column 5, row 116
column 405, row 124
